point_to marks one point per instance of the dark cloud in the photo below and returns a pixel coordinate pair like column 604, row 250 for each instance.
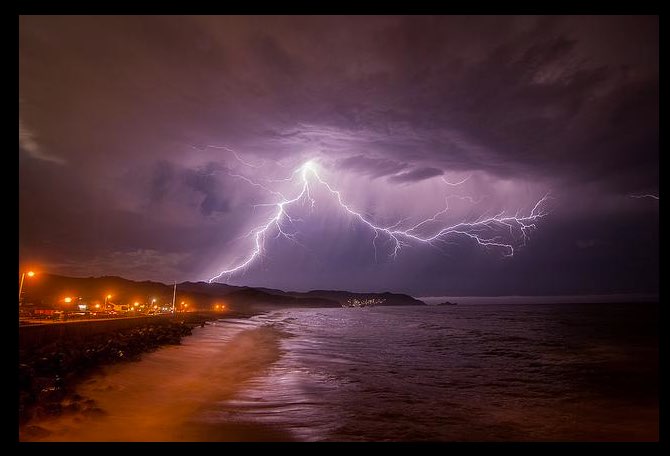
column 506, row 95
column 161, row 181
column 204, row 181
column 376, row 167
column 117, row 115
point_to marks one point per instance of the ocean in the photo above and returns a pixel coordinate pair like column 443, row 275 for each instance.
column 469, row 372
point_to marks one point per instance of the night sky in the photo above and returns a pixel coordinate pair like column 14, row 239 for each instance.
column 146, row 142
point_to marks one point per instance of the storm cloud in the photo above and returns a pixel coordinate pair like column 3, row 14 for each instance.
column 136, row 135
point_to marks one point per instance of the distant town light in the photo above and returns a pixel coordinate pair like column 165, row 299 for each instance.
column 31, row 273
column 68, row 299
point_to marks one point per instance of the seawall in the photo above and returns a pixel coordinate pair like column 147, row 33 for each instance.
column 31, row 336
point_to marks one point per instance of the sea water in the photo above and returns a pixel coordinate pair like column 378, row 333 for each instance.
column 470, row 372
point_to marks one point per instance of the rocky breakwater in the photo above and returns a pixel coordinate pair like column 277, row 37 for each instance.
column 48, row 374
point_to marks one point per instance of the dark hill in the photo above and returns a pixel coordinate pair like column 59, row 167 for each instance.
column 49, row 290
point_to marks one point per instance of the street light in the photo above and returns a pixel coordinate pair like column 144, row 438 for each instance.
column 30, row 274
column 109, row 296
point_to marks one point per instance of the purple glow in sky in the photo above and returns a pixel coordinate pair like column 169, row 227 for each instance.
column 155, row 147
column 496, row 231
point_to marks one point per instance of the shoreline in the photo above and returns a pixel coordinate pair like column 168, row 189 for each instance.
column 49, row 374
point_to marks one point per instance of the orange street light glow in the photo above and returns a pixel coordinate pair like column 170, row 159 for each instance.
column 137, row 304
column 68, row 299
column 97, row 306
column 31, row 273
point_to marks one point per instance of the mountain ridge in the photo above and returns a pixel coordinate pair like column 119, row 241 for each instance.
column 51, row 289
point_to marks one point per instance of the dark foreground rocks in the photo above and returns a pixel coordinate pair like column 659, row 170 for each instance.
column 48, row 374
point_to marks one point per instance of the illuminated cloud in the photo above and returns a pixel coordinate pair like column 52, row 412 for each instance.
column 164, row 127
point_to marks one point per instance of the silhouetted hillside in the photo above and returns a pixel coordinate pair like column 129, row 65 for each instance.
column 50, row 290
column 387, row 298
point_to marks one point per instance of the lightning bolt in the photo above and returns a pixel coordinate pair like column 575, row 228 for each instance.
column 648, row 195
column 455, row 184
column 398, row 237
column 235, row 155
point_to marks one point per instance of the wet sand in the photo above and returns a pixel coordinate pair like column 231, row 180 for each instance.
column 139, row 405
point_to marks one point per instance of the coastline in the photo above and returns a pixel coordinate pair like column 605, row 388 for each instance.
column 255, row 380
column 49, row 374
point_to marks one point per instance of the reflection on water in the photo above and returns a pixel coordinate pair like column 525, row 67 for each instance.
column 468, row 372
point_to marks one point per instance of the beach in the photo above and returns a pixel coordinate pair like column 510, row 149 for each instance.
column 449, row 373
column 55, row 358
